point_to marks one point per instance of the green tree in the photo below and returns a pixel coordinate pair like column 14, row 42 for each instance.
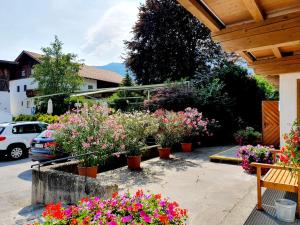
column 57, row 72
column 127, row 80
column 170, row 44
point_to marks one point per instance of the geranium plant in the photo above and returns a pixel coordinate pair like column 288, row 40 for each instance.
column 140, row 208
column 247, row 136
column 259, row 154
column 290, row 152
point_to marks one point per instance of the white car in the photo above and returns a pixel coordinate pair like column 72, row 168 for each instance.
column 15, row 138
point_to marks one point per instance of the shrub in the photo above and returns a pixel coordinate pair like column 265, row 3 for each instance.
column 247, row 136
column 170, row 129
column 259, row 154
column 174, row 98
column 38, row 117
column 91, row 130
column 120, row 209
column 194, row 125
column 138, row 126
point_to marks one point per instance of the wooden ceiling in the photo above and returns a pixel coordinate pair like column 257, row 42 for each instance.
column 266, row 33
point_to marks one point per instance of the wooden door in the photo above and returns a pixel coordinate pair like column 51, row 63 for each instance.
column 270, row 123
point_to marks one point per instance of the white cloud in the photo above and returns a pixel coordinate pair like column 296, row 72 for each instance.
column 104, row 39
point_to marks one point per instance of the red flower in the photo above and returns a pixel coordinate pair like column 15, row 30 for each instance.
column 164, row 219
column 284, row 158
column 54, row 211
column 115, row 194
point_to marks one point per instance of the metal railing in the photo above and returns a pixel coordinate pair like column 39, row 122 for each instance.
column 40, row 164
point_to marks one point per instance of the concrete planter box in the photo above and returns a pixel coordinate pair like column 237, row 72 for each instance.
column 60, row 183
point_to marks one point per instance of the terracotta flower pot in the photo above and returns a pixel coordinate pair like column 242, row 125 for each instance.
column 134, row 162
column 88, row 171
column 186, row 147
column 164, row 153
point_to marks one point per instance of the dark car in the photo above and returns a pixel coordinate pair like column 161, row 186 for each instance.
column 42, row 147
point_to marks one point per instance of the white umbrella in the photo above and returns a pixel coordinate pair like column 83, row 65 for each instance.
column 50, row 107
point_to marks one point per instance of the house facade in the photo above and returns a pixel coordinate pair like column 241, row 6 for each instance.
column 17, row 84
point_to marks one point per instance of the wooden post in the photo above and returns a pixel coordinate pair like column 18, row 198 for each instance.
column 258, row 176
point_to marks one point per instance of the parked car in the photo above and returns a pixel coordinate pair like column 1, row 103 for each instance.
column 42, row 148
column 15, row 138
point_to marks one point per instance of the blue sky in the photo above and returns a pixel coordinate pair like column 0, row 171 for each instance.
column 93, row 29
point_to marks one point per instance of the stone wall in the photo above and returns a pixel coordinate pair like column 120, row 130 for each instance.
column 57, row 183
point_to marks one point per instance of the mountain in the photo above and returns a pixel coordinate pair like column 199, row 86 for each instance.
column 119, row 68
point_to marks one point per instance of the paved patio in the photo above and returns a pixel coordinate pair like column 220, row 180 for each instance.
column 214, row 193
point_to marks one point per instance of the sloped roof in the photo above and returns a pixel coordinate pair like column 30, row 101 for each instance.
column 90, row 72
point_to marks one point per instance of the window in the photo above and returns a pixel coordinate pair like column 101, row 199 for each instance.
column 24, row 129
column 90, row 87
column 18, row 88
column 25, row 87
column 23, row 73
column 28, row 104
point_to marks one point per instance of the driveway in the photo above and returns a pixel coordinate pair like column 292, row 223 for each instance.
column 15, row 190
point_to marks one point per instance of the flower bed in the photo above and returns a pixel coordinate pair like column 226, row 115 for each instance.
column 140, row 208
column 259, row 153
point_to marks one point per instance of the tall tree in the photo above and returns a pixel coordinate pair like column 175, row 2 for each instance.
column 169, row 44
column 57, row 72
column 127, row 80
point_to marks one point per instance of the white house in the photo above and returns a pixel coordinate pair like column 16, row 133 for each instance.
column 17, row 84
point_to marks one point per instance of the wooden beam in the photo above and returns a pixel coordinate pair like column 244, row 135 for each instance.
column 272, row 31
column 246, row 56
column 289, row 64
column 254, row 10
column 202, row 14
column 276, row 52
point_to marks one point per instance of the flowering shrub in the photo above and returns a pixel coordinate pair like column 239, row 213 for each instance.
column 140, row 208
column 259, row 153
column 90, row 130
column 138, row 126
column 171, row 127
column 290, row 154
column 247, row 136
column 194, row 124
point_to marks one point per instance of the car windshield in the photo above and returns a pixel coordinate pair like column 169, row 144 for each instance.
column 46, row 134
column 1, row 129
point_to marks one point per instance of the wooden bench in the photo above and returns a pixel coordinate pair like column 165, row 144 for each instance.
column 278, row 178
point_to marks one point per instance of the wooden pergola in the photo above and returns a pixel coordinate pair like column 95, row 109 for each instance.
column 266, row 33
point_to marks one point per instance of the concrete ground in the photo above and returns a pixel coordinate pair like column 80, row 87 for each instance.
column 15, row 191
column 213, row 193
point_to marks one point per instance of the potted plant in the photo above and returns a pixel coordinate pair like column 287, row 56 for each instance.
column 259, row 153
column 194, row 126
column 87, row 135
column 169, row 131
column 247, row 136
column 139, row 208
column 138, row 126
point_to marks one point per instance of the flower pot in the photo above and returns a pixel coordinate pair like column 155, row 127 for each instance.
column 164, row 153
column 88, row 171
column 186, row 147
column 134, row 162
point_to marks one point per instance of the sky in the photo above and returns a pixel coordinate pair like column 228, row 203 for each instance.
column 92, row 29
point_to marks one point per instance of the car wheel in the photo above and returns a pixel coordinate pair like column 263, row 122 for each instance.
column 16, row 152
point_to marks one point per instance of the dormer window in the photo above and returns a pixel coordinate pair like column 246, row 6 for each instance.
column 23, row 73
